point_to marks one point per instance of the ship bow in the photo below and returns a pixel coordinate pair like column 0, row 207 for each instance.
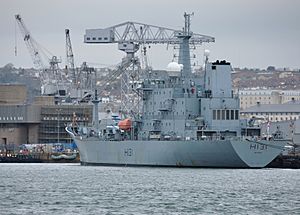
column 258, row 154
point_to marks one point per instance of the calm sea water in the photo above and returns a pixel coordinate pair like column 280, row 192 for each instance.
column 75, row 189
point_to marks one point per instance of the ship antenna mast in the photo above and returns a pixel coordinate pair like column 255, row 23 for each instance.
column 184, row 48
column 187, row 22
column 95, row 112
column 206, row 55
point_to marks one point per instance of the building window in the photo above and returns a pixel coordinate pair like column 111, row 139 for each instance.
column 218, row 114
column 214, row 114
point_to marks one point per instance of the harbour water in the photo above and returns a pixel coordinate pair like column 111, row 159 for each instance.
column 75, row 189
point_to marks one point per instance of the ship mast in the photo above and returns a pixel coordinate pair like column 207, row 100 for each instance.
column 95, row 112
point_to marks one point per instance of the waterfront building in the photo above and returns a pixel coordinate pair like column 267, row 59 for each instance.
column 43, row 121
column 273, row 112
column 250, row 98
column 13, row 94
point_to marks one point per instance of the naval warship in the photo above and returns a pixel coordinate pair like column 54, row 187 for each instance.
column 186, row 121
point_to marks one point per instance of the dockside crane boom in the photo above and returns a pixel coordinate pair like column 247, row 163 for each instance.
column 31, row 44
column 70, row 57
column 49, row 70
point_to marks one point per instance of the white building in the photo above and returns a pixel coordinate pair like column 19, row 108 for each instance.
column 273, row 112
column 250, row 98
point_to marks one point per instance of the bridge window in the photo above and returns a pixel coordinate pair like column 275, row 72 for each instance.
column 232, row 114
column 223, row 114
column 218, row 114
column 236, row 114
column 227, row 114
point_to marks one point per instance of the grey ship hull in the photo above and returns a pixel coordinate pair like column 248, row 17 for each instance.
column 219, row 153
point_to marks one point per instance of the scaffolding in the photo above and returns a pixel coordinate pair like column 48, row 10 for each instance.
column 55, row 118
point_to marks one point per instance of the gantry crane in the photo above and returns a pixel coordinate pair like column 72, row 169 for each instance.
column 131, row 35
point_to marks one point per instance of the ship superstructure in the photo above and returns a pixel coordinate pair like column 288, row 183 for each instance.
column 179, row 107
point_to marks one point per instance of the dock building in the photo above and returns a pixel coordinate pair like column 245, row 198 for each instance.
column 249, row 98
column 273, row 112
column 40, row 122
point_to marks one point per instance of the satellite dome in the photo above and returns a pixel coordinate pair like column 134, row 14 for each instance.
column 174, row 67
column 206, row 52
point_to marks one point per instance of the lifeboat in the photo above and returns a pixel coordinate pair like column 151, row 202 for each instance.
column 125, row 124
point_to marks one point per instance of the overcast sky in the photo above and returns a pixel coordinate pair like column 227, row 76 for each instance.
column 249, row 33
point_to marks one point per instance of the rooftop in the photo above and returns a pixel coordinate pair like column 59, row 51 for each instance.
column 267, row 108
